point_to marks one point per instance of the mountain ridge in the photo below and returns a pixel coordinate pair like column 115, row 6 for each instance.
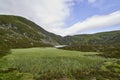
column 97, row 38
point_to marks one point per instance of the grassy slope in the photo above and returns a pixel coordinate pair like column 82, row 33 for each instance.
column 17, row 30
column 50, row 62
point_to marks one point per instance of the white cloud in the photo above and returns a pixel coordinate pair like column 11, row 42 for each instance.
column 93, row 22
column 50, row 14
column 92, row 1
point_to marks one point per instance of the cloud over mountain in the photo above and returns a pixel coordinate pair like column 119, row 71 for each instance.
column 50, row 14
column 59, row 16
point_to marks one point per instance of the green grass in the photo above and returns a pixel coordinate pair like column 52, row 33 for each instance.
column 48, row 62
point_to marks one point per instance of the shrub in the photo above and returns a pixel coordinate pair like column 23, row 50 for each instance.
column 4, row 48
column 112, row 52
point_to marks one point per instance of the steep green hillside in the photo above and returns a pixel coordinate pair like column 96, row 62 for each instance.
column 20, row 32
column 103, row 38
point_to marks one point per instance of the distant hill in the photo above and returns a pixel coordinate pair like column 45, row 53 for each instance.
column 103, row 38
column 20, row 32
column 107, row 43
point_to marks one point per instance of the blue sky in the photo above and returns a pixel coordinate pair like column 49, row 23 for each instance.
column 67, row 17
column 84, row 9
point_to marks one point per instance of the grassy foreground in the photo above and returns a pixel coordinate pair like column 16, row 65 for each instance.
column 48, row 63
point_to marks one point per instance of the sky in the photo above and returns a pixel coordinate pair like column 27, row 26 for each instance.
column 67, row 17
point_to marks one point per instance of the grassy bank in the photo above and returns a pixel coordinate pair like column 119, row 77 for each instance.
column 51, row 63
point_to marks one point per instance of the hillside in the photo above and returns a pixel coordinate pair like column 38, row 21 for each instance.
column 21, row 32
column 103, row 38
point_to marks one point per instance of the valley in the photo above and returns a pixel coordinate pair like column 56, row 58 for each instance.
column 28, row 52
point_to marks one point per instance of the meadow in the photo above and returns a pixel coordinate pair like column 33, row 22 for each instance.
column 47, row 63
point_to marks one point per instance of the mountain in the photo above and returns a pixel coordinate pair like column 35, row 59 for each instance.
column 20, row 32
column 103, row 38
